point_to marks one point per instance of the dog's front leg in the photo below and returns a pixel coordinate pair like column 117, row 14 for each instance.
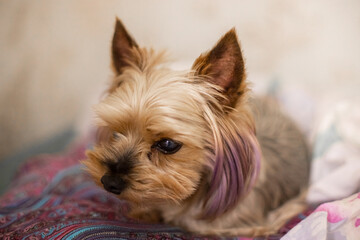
column 146, row 215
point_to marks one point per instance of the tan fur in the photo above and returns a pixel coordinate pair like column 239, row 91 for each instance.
column 202, row 109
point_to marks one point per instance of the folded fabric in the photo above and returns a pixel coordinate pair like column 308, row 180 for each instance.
column 336, row 163
column 338, row 220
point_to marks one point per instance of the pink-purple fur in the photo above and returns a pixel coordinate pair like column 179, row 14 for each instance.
column 237, row 162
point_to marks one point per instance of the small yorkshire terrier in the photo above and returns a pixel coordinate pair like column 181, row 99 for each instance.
column 192, row 148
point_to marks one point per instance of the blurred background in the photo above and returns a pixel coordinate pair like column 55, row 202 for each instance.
column 55, row 55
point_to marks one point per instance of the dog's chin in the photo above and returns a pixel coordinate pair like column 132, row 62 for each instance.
column 138, row 199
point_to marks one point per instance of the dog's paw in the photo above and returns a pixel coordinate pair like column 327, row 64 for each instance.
column 153, row 216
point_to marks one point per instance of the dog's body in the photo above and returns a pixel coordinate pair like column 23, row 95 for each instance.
column 182, row 147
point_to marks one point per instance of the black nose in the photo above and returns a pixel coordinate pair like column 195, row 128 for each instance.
column 113, row 184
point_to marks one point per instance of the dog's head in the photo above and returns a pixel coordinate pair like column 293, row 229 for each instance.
column 168, row 137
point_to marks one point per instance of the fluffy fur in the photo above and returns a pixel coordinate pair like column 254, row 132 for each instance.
column 242, row 167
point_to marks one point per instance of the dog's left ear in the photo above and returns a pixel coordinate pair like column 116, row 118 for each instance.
column 122, row 44
column 224, row 66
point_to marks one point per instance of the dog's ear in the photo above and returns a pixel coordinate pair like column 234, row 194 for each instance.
column 236, row 165
column 122, row 44
column 224, row 66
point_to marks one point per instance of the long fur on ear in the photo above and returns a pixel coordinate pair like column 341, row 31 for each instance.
column 236, row 164
column 235, row 161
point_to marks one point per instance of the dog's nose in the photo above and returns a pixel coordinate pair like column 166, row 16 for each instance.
column 113, row 184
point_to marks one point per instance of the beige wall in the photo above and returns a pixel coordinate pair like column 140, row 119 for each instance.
column 54, row 55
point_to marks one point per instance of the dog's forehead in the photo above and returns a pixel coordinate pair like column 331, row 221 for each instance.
column 159, row 103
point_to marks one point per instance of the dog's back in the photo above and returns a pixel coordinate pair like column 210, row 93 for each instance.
column 280, row 191
column 285, row 153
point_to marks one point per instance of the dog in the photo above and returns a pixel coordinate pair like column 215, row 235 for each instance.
column 195, row 149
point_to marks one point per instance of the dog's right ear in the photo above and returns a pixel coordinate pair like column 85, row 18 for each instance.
column 122, row 44
column 224, row 65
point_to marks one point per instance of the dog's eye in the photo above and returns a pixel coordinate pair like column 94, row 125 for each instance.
column 117, row 135
column 167, row 146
